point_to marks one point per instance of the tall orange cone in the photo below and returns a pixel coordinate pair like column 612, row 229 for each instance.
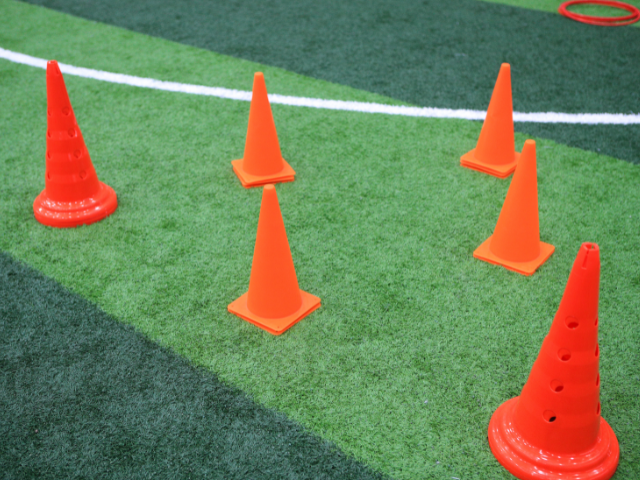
column 73, row 195
column 274, row 301
column 262, row 162
column 515, row 243
column 495, row 151
column 553, row 430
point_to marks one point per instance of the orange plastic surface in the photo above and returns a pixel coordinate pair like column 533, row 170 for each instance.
column 515, row 243
column 554, row 430
column 469, row 160
column 262, row 162
column 279, row 325
column 73, row 195
column 274, row 301
column 495, row 152
column 483, row 252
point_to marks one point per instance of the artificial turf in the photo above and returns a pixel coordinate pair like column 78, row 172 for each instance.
column 430, row 53
column 416, row 343
column 82, row 395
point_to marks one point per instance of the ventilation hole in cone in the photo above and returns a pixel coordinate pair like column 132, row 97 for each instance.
column 48, row 176
column 596, row 321
column 48, row 156
column 598, row 410
column 72, row 132
column 77, row 153
column 564, row 354
column 597, row 350
column 48, row 134
column 557, row 386
column 598, row 380
column 549, row 416
column 82, row 174
column 48, row 113
column 572, row 323
column 66, row 111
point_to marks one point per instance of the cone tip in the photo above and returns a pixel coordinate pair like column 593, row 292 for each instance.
column 528, row 154
column 529, row 147
column 269, row 187
column 590, row 253
column 258, row 82
column 505, row 67
column 52, row 66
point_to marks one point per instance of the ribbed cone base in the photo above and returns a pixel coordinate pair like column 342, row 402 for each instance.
column 287, row 174
column 275, row 326
column 73, row 214
column 469, row 160
column 528, row 462
column 483, row 252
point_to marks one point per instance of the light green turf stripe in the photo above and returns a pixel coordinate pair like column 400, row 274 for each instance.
column 416, row 343
column 552, row 6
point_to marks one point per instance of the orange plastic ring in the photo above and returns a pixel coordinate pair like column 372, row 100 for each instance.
column 602, row 21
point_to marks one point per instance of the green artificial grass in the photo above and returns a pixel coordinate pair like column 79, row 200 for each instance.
column 416, row 343
column 83, row 396
column 585, row 9
column 431, row 53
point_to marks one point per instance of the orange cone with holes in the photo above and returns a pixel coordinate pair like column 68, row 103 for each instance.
column 262, row 162
column 73, row 195
column 515, row 243
column 274, row 301
column 553, row 430
column 495, row 152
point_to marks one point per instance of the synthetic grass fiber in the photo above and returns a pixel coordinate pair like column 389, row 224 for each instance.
column 430, row 53
column 416, row 342
column 83, row 395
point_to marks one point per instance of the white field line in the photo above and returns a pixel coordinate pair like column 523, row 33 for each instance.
column 537, row 117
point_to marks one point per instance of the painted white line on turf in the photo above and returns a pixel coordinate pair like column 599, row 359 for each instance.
column 537, row 117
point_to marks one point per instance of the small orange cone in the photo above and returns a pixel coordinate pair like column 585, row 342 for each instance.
column 262, row 162
column 554, row 430
column 515, row 243
column 73, row 195
column 274, row 301
column 495, row 151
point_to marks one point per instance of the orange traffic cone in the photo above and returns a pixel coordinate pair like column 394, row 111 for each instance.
column 495, row 151
column 554, row 430
column 274, row 301
column 515, row 243
column 73, row 195
column 262, row 162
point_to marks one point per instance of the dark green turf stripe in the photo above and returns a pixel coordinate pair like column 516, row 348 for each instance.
column 621, row 142
column 432, row 53
column 83, row 396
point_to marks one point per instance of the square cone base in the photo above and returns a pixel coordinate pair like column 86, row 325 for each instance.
column 469, row 160
column 275, row 326
column 483, row 252
column 287, row 174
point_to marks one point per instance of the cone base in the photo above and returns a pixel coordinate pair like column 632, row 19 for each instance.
column 276, row 326
column 73, row 214
column 469, row 160
column 528, row 462
column 287, row 174
column 483, row 252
